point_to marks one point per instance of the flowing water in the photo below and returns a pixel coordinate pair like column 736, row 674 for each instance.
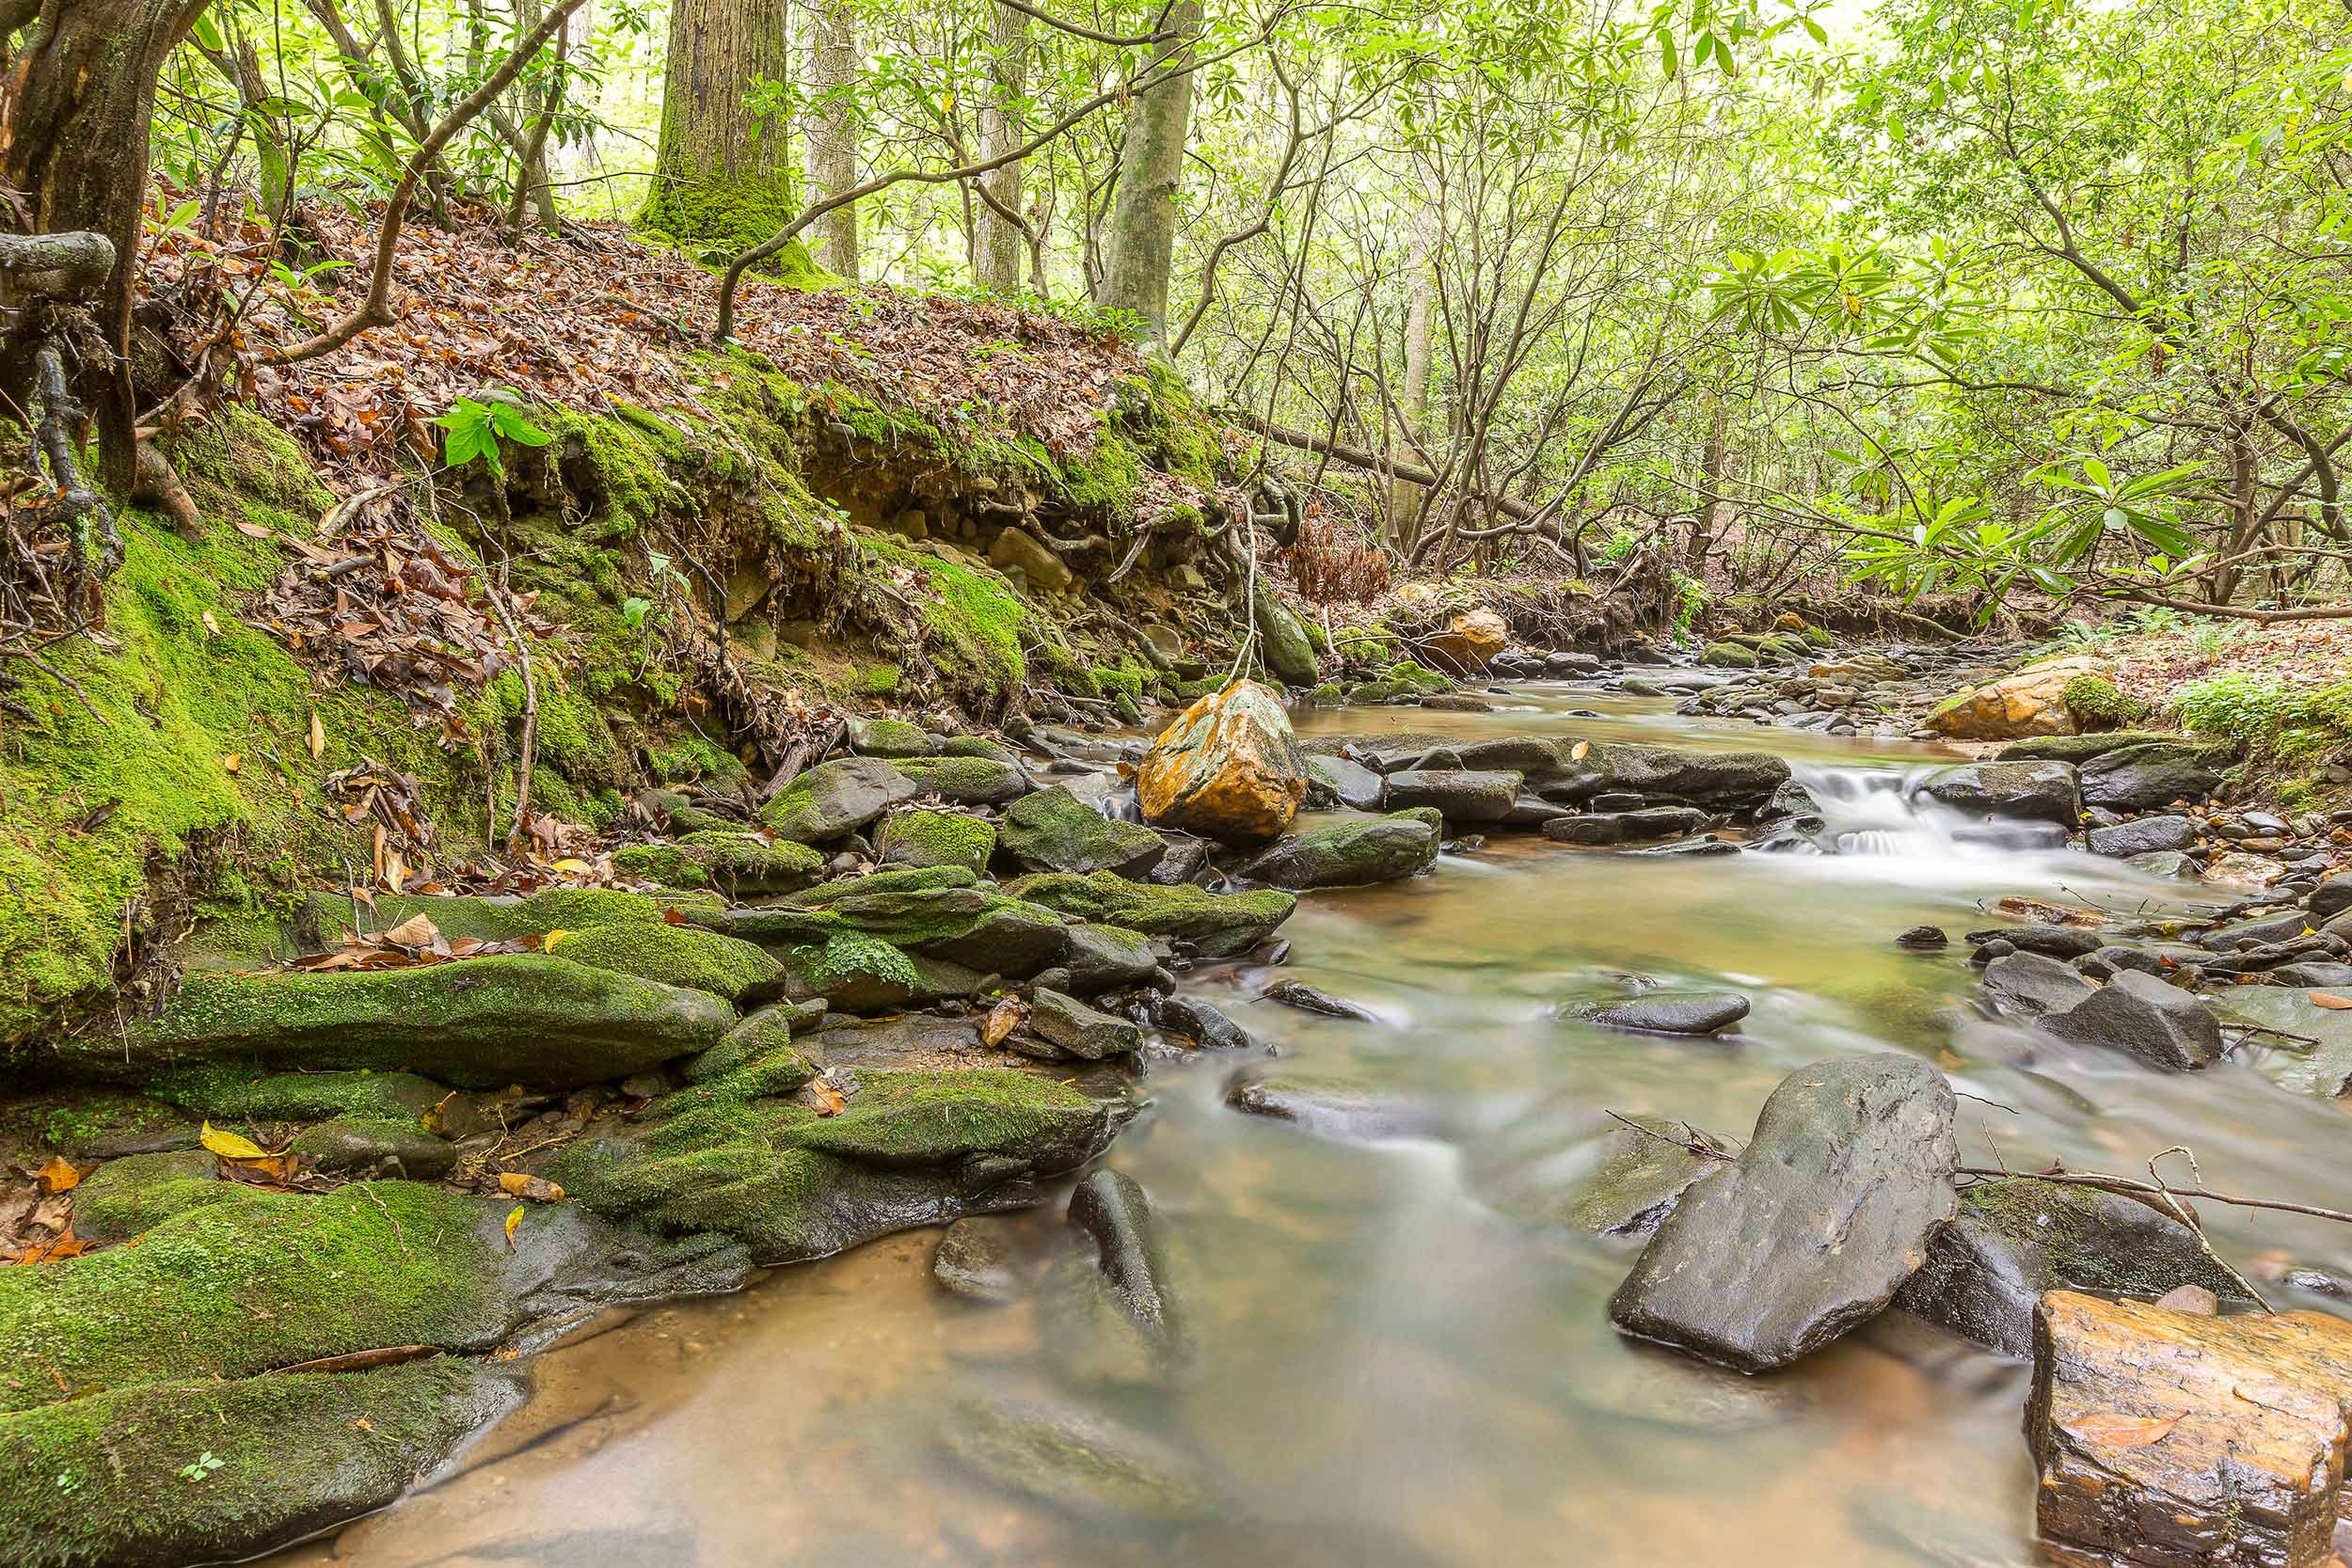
column 1399, row 1352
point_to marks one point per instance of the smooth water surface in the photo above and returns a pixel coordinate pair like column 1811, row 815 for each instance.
column 1400, row 1352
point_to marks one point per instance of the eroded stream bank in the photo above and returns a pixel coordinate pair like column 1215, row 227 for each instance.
column 1395, row 1344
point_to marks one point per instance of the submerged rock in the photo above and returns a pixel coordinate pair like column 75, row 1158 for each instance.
column 1665, row 1012
column 1329, row 1102
column 1307, row 999
column 1080, row 1463
column 483, row 1023
column 2016, row 1237
column 1646, row 1175
column 1055, row 830
column 1351, row 854
column 1113, row 1211
column 973, row 1261
column 1815, row 1225
column 2164, row 1438
column 2161, row 1024
column 1227, row 769
column 1624, row 826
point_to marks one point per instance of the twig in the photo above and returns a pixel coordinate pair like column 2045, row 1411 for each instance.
column 2132, row 1185
column 1690, row 1143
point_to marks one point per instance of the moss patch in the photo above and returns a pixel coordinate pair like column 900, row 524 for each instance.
column 685, row 956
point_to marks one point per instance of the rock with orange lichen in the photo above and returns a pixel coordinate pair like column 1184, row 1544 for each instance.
column 1227, row 769
column 2031, row 702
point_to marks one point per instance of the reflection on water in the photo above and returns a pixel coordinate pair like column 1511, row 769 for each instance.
column 1399, row 1358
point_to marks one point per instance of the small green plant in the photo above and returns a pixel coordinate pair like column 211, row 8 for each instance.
column 2098, row 704
column 1689, row 602
column 1621, row 544
column 2244, row 707
column 69, row 1482
column 201, row 1467
column 470, row 429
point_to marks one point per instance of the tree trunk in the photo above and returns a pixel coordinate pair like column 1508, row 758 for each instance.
column 1711, row 473
column 1404, row 501
column 75, row 108
column 831, row 133
column 999, row 243
column 1139, row 240
column 722, row 176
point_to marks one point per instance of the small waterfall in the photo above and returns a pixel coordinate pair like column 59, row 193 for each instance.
column 1869, row 811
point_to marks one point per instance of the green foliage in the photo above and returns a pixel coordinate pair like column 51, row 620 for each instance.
column 2097, row 703
column 2244, row 707
column 471, row 430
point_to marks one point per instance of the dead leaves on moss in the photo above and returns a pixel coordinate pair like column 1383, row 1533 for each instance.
column 37, row 1213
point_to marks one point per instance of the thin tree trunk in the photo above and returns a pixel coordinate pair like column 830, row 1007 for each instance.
column 1711, row 471
column 1001, row 242
column 1404, row 501
column 723, row 177
column 75, row 109
column 1139, row 239
column 831, row 133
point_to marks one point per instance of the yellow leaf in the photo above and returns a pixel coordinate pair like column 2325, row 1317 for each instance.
column 2122, row 1432
column 58, row 1175
column 230, row 1146
column 513, row 1183
column 1576, row 753
column 514, row 1221
column 233, row 761
column 318, row 735
column 828, row 1101
column 211, row 627
column 547, row 943
column 574, row 864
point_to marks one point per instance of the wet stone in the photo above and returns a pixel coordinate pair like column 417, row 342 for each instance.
column 2161, row 1024
column 1113, row 1211
column 973, row 1261
column 2030, row 985
column 1605, row 828
column 1665, row 1012
column 1307, row 999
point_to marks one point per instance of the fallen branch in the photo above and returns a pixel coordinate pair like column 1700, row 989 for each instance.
column 2133, row 1187
column 1357, row 457
column 1691, row 1142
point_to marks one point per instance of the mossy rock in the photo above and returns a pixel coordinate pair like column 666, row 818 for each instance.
column 1353, row 854
column 966, row 780
column 836, row 798
column 770, row 1029
column 482, row 1022
column 927, row 838
column 1288, row 655
column 687, row 956
column 1728, row 655
column 743, row 864
column 354, row 1145
column 967, row 924
column 124, row 1198
column 1816, row 638
column 1218, row 925
column 912, row 1148
column 891, row 739
column 1055, row 830
column 2098, row 704
column 326, row 917
column 1417, row 676
column 228, row 1093
column 665, row 863
column 198, row 1471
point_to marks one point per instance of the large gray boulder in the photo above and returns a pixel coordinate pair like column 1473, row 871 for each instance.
column 2145, row 835
column 2032, row 985
column 2161, row 1024
column 1728, row 780
column 2153, row 773
column 1814, row 1228
column 1352, row 854
column 1338, row 782
column 1461, row 794
column 835, row 798
column 2032, row 791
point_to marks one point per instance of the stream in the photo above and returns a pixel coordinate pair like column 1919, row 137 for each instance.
column 1400, row 1352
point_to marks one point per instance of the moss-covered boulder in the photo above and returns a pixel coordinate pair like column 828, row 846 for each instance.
column 522, row 1018
column 198, row 1471
column 978, row 927
column 770, row 1029
column 1728, row 655
column 224, row 1093
column 351, row 1145
column 912, row 1148
column 967, row 780
column 1217, row 926
column 685, row 956
column 325, row 918
column 124, row 1198
column 918, row 838
column 836, row 798
column 743, row 864
column 1288, row 653
column 1055, row 830
column 665, row 863
column 1352, row 854
column 891, row 739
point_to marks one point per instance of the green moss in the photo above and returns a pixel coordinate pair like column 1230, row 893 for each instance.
column 891, row 738
column 849, row 955
column 691, row 757
column 742, row 863
column 196, row 1471
column 2097, row 703
column 124, row 1197
column 665, row 863
column 1730, row 655
column 921, row 838
column 721, row 219
column 1220, row 924
column 1417, row 676
column 228, row 1289
column 878, row 680
column 2066, row 1225
column 976, row 626
column 685, row 956
column 223, row 1093
column 972, row 781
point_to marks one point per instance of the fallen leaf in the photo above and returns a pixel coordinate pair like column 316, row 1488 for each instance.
column 547, row 943
column 67, row 1246
column 416, row 931
column 233, row 761
column 2122, row 1432
column 211, row 627
column 1002, row 1020
column 230, row 1146
column 572, row 865
column 2328, row 999
column 58, row 1175
column 514, row 1221
column 513, row 1183
column 1576, row 753
column 318, row 735
column 828, row 1101
column 251, row 530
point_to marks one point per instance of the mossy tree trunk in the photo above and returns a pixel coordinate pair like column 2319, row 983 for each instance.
column 1139, row 240
column 1000, row 242
column 723, row 175
column 76, row 107
column 832, row 132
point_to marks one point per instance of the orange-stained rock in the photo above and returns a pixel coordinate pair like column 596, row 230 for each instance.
column 2172, row 1439
column 1470, row 639
column 2031, row 702
column 1227, row 769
